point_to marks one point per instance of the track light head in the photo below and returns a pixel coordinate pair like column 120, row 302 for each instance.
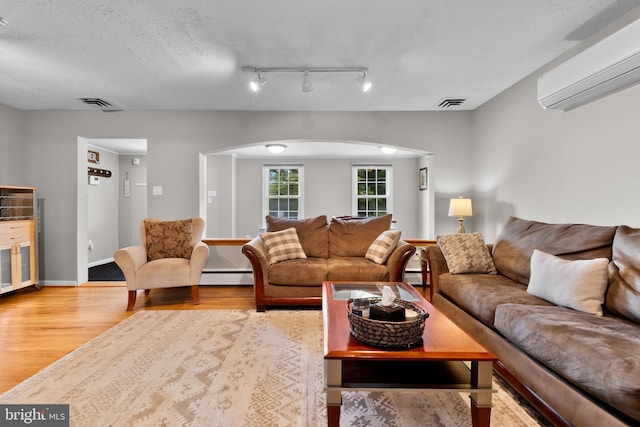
column 257, row 82
column 365, row 82
column 307, row 86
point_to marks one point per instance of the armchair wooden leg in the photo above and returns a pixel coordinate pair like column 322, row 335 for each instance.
column 195, row 294
column 132, row 300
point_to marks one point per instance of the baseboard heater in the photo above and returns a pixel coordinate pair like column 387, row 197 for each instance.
column 245, row 277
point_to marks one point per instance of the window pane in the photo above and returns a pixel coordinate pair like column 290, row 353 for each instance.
column 381, row 189
column 293, row 204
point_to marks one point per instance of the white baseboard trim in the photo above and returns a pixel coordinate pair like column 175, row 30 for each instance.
column 58, row 283
column 227, row 277
column 100, row 262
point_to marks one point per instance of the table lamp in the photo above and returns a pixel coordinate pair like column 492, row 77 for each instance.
column 460, row 207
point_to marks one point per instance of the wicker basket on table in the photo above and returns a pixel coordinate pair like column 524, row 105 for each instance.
column 381, row 333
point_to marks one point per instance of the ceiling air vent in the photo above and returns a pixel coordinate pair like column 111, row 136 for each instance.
column 451, row 102
column 101, row 104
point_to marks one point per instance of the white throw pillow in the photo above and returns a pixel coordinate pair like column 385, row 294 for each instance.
column 382, row 247
column 579, row 284
column 283, row 245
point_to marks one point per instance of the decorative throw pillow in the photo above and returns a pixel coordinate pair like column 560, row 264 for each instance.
column 312, row 232
column 283, row 245
column 382, row 247
column 466, row 253
column 352, row 237
column 578, row 284
column 168, row 239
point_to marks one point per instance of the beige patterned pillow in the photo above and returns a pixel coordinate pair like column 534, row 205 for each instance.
column 283, row 245
column 168, row 239
column 382, row 247
column 466, row 253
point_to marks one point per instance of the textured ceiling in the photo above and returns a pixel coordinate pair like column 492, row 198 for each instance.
column 167, row 54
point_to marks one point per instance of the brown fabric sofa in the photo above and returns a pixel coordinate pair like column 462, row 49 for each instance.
column 335, row 251
column 578, row 368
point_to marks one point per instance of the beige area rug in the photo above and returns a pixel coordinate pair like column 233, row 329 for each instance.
column 227, row 368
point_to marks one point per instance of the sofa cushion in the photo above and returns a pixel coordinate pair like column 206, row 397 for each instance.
column 299, row 272
column 517, row 240
column 480, row 294
column 466, row 253
column 578, row 284
column 312, row 232
column 356, row 268
column 623, row 295
column 168, row 239
column 352, row 237
column 282, row 245
column 600, row 355
column 382, row 247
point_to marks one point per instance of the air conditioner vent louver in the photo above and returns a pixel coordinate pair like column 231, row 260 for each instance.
column 451, row 102
column 101, row 104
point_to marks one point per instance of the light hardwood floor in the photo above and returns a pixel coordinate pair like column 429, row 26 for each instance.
column 38, row 327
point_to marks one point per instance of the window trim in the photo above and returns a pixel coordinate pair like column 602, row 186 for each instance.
column 354, row 184
column 265, row 187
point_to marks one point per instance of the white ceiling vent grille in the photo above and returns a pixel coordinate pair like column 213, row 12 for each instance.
column 101, row 104
column 451, row 102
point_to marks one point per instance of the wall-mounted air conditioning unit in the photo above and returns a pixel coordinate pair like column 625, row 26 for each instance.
column 604, row 68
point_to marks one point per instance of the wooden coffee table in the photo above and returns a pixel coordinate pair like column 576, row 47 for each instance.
column 436, row 363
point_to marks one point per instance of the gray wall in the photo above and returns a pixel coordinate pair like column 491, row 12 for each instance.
column 175, row 138
column 133, row 209
column 327, row 192
column 102, row 229
column 12, row 153
column 554, row 166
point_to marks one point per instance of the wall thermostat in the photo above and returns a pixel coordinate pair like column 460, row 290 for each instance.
column 94, row 180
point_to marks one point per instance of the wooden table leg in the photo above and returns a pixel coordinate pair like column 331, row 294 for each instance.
column 481, row 378
column 333, row 416
column 333, row 377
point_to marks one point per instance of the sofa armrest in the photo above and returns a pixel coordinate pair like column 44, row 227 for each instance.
column 199, row 257
column 398, row 260
column 130, row 259
column 437, row 266
column 257, row 254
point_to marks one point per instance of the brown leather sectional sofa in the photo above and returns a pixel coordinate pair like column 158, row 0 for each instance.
column 578, row 368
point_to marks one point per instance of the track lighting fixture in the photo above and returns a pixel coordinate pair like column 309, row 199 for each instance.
column 364, row 82
column 3, row 22
column 307, row 86
column 258, row 81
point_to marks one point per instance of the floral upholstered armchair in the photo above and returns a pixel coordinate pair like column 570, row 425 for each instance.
column 171, row 255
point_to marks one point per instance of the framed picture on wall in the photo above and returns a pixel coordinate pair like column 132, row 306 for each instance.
column 422, row 179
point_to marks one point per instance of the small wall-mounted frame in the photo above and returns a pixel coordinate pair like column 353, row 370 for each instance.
column 422, row 179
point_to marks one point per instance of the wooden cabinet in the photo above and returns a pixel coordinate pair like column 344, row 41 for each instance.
column 18, row 262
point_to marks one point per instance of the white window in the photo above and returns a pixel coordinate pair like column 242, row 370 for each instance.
column 372, row 190
column 283, row 191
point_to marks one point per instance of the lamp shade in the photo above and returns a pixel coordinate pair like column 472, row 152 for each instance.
column 460, row 207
